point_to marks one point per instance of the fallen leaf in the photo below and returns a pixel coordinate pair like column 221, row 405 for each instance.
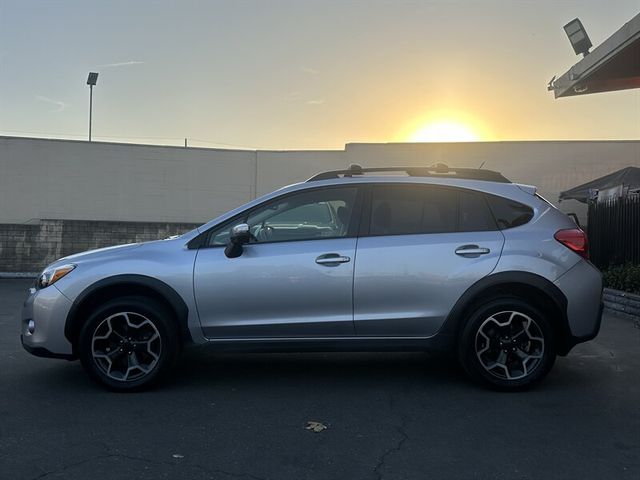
column 316, row 426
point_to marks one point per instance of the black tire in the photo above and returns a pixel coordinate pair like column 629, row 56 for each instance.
column 160, row 327
column 473, row 353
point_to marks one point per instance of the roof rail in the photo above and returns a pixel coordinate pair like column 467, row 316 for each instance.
column 437, row 170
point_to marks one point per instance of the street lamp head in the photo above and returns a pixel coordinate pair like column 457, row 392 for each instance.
column 578, row 37
column 92, row 79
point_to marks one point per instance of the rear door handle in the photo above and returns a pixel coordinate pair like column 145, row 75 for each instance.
column 332, row 259
column 471, row 251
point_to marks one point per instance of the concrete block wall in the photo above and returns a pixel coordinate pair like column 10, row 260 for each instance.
column 622, row 303
column 28, row 248
column 23, row 247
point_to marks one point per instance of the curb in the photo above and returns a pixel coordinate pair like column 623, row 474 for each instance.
column 624, row 304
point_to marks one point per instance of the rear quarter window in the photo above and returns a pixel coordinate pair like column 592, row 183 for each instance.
column 475, row 215
column 509, row 213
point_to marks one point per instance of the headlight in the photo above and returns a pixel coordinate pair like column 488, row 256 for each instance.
column 52, row 275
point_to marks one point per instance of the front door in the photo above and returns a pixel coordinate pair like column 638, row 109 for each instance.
column 293, row 280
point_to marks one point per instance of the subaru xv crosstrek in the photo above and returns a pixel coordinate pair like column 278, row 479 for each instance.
column 363, row 259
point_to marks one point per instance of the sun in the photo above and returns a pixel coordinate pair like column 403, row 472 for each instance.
column 445, row 131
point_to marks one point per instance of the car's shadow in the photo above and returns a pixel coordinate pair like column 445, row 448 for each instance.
column 215, row 368
column 201, row 369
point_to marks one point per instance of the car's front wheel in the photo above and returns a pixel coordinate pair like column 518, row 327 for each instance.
column 128, row 343
column 507, row 344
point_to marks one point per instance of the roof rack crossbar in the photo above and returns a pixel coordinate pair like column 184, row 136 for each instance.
column 437, row 170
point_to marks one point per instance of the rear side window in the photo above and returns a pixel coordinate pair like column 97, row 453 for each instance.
column 403, row 210
column 508, row 213
column 475, row 215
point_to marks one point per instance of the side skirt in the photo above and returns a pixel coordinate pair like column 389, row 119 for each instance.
column 438, row 343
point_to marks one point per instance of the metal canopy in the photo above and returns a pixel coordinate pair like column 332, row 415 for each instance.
column 613, row 65
column 628, row 177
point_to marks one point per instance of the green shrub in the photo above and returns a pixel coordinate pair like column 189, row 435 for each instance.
column 623, row 277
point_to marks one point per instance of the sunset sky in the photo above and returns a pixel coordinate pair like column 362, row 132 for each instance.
column 304, row 74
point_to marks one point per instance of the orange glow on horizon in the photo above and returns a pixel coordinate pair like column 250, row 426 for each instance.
column 444, row 126
column 445, row 131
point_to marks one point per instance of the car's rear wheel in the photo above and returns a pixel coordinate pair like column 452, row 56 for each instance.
column 128, row 343
column 507, row 344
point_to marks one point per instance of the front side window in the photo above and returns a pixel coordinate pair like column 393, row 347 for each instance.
column 317, row 214
column 405, row 210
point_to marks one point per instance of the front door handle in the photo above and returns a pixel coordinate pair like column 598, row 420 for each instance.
column 471, row 251
column 332, row 259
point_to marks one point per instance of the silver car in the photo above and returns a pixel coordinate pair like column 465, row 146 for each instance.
column 432, row 258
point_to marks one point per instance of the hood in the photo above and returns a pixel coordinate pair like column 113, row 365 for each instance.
column 99, row 252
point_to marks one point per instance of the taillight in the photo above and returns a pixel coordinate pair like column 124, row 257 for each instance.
column 574, row 239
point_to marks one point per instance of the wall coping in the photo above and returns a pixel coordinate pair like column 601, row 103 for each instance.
column 6, row 275
column 622, row 293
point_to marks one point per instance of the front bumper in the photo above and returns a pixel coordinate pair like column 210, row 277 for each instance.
column 43, row 352
column 48, row 309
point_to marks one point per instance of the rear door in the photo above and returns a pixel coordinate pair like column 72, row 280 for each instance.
column 420, row 248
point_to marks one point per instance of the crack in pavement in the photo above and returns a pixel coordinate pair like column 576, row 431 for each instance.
column 71, row 465
column 207, row 470
column 396, row 448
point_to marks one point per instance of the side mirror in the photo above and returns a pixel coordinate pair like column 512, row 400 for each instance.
column 240, row 235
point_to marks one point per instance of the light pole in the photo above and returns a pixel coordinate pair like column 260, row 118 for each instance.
column 91, row 81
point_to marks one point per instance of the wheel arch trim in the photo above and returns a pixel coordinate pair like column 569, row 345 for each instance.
column 455, row 318
column 160, row 288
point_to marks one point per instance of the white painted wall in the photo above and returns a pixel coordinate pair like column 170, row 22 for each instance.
column 277, row 169
column 61, row 179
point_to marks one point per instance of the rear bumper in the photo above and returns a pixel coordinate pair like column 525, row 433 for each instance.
column 582, row 286
column 573, row 340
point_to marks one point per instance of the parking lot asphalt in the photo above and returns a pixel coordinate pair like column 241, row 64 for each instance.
column 388, row 415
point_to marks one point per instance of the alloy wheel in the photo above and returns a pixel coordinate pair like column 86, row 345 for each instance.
column 510, row 345
column 126, row 346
